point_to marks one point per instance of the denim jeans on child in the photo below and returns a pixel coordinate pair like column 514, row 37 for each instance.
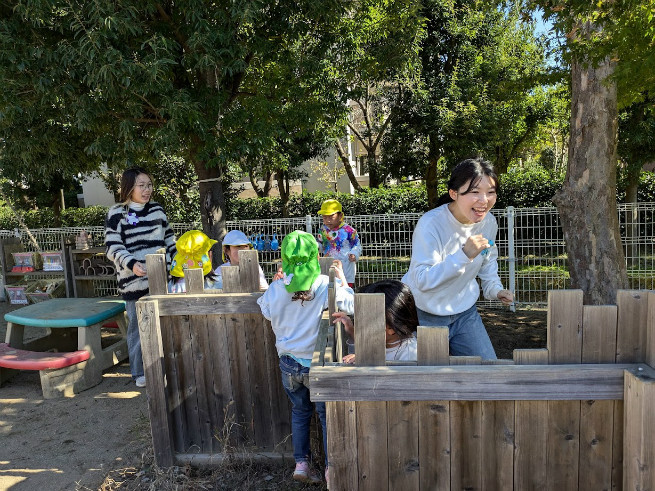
column 294, row 376
column 467, row 335
column 133, row 340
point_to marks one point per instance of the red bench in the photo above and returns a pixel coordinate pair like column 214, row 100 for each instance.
column 19, row 359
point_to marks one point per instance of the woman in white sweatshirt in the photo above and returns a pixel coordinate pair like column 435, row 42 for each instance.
column 451, row 246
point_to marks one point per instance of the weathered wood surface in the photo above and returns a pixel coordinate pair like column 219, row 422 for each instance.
column 639, row 432
column 470, row 383
column 369, row 330
column 207, row 303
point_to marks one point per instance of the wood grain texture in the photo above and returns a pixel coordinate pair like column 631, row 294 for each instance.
column 470, row 383
column 342, row 444
column 564, row 326
column 370, row 326
column 631, row 336
column 403, row 437
column 153, row 362
column 432, row 346
column 639, row 432
column 157, row 274
column 195, row 283
column 372, row 445
column 434, row 445
column 497, row 443
column 650, row 330
column 208, row 303
column 249, row 270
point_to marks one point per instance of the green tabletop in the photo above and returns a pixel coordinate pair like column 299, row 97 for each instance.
column 67, row 312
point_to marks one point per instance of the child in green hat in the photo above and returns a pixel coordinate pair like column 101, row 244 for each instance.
column 338, row 239
column 294, row 304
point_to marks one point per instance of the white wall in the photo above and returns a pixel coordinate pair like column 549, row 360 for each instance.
column 95, row 193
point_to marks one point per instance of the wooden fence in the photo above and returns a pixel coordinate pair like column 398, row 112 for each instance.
column 212, row 368
column 584, row 421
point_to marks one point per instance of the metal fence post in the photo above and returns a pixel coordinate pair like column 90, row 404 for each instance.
column 308, row 224
column 511, row 254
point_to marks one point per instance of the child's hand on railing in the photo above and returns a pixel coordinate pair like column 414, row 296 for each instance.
column 338, row 269
column 345, row 321
column 349, row 359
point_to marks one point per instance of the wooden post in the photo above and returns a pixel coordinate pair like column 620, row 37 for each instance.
column 631, row 337
column 249, row 271
column 650, row 330
column 639, row 432
column 195, row 282
column 370, row 326
column 157, row 274
column 153, row 362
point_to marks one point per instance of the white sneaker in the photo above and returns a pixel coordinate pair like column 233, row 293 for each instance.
column 141, row 381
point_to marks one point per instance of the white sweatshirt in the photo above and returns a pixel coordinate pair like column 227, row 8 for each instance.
column 295, row 323
column 441, row 276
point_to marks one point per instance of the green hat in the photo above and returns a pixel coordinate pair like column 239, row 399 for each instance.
column 299, row 261
column 330, row 207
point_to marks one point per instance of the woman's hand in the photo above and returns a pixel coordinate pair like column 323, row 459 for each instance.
column 506, row 297
column 474, row 245
column 139, row 269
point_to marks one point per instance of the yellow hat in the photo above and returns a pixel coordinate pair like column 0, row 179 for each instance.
column 330, row 207
column 192, row 252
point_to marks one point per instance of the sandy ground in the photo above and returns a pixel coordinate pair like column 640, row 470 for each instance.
column 69, row 443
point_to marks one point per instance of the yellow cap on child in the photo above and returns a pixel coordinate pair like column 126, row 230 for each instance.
column 330, row 207
column 192, row 252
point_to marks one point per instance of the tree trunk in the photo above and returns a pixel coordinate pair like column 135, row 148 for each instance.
column 432, row 175
column 587, row 200
column 212, row 206
column 283, row 188
column 346, row 164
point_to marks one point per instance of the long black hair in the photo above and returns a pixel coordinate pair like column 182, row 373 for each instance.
column 399, row 306
column 472, row 170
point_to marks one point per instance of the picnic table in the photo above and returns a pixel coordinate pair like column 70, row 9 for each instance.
column 70, row 357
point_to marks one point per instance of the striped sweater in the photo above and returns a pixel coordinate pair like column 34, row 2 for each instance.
column 130, row 238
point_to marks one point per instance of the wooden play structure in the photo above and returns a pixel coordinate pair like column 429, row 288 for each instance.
column 577, row 415
column 212, row 368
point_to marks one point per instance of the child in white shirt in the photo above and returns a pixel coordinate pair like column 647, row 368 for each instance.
column 233, row 242
column 294, row 304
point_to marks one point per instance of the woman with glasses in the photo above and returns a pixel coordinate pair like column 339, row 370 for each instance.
column 136, row 227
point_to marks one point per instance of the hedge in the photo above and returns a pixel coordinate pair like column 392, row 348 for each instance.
column 521, row 188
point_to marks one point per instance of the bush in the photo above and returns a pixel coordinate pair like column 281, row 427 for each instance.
column 529, row 187
column 84, row 217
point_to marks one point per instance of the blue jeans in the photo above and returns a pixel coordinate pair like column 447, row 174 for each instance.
column 467, row 335
column 294, row 376
column 133, row 340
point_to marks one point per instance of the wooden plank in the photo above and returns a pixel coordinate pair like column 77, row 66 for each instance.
column 208, row 303
column 372, row 444
column 257, row 368
column 318, row 357
column 151, row 346
column 650, row 330
column 370, row 327
column 249, row 271
column 157, row 274
column 432, row 346
column 403, row 451
column 231, row 279
column 470, row 383
column 617, row 446
column 342, row 444
column 497, row 443
column 639, row 431
column 202, row 372
column 279, row 402
column 182, row 345
column 631, row 336
column 434, row 445
column 564, row 326
column 195, row 283
column 465, row 431
column 221, row 383
column 531, row 436
column 173, row 386
column 326, row 264
column 240, row 378
column 597, row 417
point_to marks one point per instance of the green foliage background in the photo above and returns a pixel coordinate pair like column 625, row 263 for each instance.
column 521, row 188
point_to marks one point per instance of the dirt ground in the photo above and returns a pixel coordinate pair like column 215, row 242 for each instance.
column 100, row 438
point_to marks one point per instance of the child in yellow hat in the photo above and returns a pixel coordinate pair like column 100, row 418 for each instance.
column 338, row 239
column 193, row 251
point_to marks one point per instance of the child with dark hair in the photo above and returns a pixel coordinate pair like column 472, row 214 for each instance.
column 401, row 320
column 294, row 304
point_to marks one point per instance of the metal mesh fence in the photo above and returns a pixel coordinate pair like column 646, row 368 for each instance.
column 532, row 254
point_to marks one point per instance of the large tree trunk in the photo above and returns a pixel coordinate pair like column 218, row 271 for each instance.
column 346, row 165
column 212, row 206
column 432, row 175
column 587, row 200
